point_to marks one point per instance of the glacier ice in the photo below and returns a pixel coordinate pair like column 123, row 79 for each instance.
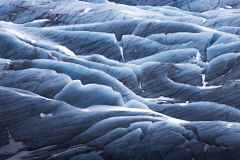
column 119, row 79
column 82, row 96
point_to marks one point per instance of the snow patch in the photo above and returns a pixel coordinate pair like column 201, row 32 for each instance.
column 165, row 98
column 221, row 8
column 159, row 99
column 183, row 104
column 198, row 55
column 176, row 121
column 42, row 115
column 22, row 154
column 41, row 20
column 203, row 80
column 86, row 10
column 204, row 21
column 121, row 50
column 205, row 83
column 229, row 7
column 206, row 147
column 223, row 147
column 229, row 125
column 65, row 50
column 209, row 87
column 12, row 147
column 32, row 41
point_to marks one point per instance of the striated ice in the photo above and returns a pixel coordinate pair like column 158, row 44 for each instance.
column 119, row 79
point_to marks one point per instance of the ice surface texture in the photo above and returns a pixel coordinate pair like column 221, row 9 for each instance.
column 119, row 79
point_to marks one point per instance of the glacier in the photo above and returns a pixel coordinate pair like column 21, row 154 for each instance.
column 119, row 80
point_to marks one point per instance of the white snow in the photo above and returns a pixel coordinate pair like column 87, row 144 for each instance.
column 32, row 41
column 229, row 125
column 121, row 50
column 203, row 80
column 159, row 99
column 42, row 115
column 65, row 50
column 228, row 7
column 86, row 10
column 12, row 147
column 165, row 98
column 221, row 8
column 206, row 147
column 183, row 104
column 41, row 20
column 49, row 115
column 198, row 55
column 205, row 83
column 22, row 154
column 209, row 87
column 176, row 121
column 204, row 21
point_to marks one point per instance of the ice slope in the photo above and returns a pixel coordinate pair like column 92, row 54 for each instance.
column 96, row 79
column 192, row 5
column 81, row 96
column 138, row 127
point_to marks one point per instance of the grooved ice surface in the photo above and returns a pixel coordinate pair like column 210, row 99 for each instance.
column 119, row 79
